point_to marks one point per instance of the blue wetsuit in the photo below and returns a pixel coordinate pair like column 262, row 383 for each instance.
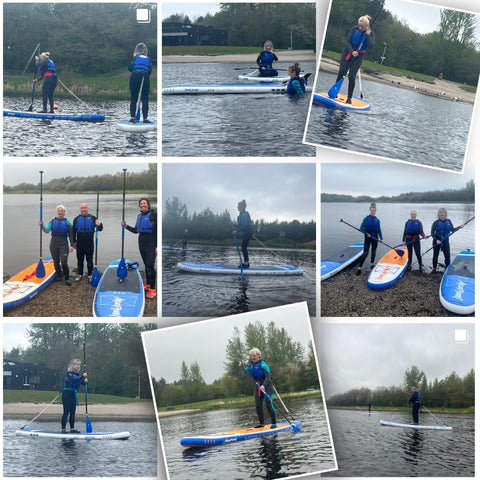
column 72, row 382
column 370, row 225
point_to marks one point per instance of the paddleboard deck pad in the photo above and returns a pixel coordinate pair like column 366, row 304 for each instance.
column 139, row 127
column 180, row 249
column 341, row 260
column 25, row 285
column 389, row 269
column 457, row 289
column 358, row 104
column 236, row 435
column 388, row 423
column 234, row 270
column 116, row 297
column 76, row 117
column 219, row 88
column 28, row 432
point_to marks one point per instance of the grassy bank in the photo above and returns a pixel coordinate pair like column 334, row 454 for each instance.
column 274, row 243
column 37, row 396
column 467, row 410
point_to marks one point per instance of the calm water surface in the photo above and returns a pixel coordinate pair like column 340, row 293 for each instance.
column 364, row 448
column 401, row 124
column 36, row 457
column 187, row 294
column 230, row 125
column 273, row 456
column 28, row 137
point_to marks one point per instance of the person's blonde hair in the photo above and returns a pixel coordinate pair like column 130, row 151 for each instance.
column 255, row 351
column 365, row 19
column 74, row 361
column 61, row 207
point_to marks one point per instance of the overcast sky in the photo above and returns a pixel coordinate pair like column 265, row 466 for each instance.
column 205, row 342
column 368, row 355
column 272, row 190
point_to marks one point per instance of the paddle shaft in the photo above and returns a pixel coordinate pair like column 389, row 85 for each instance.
column 85, row 364
column 96, row 227
column 235, row 240
column 30, row 108
column 137, row 116
column 268, row 397
column 281, row 401
column 41, row 210
column 123, row 210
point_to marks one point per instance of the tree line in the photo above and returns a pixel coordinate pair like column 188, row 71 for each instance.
column 449, row 392
column 207, row 225
column 450, row 51
column 81, row 38
column 293, row 368
column 134, row 181
column 451, row 195
column 115, row 362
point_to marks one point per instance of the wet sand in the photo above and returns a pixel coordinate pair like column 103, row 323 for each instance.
column 414, row 295
column 59, row 300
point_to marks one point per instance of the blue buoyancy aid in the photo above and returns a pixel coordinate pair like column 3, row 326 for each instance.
column 141, row 63
column 290, row 88
column 72, row 380
column 413, row 227
column 85, row 224
column 372, row 225
column 258, row 370
column 443, row 228
column 144, row 223
column 359, row 41
column 48, row 67
column 266, row 59
column 59, row 227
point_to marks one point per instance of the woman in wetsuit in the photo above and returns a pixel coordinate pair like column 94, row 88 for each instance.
column 296, row 85
column 48, row 74
column 412, row 232
column 441, row 229
column 141, row 68
column 73, row 380
column 244, row 226
column 371, row 227
column 265, row 61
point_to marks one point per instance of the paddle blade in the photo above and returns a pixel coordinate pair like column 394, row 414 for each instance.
column 400, row 253
column 122, row 271
column 95, row 277
column 333, row 92
column 88, row 426
column 295, row 428
column 40, row 270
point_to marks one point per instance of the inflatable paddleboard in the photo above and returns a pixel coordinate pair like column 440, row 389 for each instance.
column 127, row 126
column 242, row 88
column 25, row 285
column 236, row 435
column 28, row 432
column 255, row 77
column 116, row 297
column 358, row 104
column 234, row 270
column 76, row 117
column 341, row 260
column 387, row 423
column 180, row 249
column 388, row 270
column 457, row 290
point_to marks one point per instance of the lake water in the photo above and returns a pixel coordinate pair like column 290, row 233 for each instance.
column 364, row 448
column 269, row 457
column 21, row 241
column 230, row 125
column 401, row 125
column 189, row 294
column 46, row 457
column 28, row 137
column 337, row 235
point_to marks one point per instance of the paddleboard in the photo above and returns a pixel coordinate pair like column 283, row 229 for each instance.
column 255, row 77
column 234, row 270
column 180, row 249
column 116, row 297
column 388, row 270
column 341, row 260
column 127, row 126
column 388, row 423
column 76, row 117
column 25, row 285
column 358, row 104
column 231, row 436
column 28, row 432
column 219, row 88
column 457, row 289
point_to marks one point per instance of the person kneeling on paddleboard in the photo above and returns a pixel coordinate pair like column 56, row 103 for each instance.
column 46, row 69
column 73, row 380
column 260, row 372
column 414, row 401
column 373, row 234
column 141, row 68
column 360, row 39
column 265, row 61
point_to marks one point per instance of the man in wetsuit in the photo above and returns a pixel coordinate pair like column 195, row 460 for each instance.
column 414, row 401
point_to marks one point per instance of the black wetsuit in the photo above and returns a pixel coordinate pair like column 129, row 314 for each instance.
column 411, row 235
column 70, row 398
column 370, row 225
column 141, row 69
column 440, row 231
column 83, row 233
column 61, row 230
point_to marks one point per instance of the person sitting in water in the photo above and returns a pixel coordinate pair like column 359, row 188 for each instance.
column 296, row 85
column 265, row 61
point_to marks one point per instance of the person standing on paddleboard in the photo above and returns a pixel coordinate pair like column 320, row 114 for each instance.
column 73, row 380
column 441, row 229
column 146, row 228
column 244, row 226
column 360, row 39
column 83, row 232
column 61, row 229
column 414, row 401
column 411, row 236
column 371, row 227
column 296, row 85
column 141, row 68
column 265, row 61
column 48, row 73
column 260, row 372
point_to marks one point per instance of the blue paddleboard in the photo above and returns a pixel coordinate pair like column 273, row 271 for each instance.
column 341, row 260
column 75, row 117
column 218, row 268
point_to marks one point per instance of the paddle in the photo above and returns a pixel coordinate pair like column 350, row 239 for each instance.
column 95, row 275
column 137, row 116
column 335, row 88
column 30, row 108
column 360, row 83
column 281, row 401
column 40, row 270
column 398, row 252
column 235, row 240
column 122, row 271
column 87, row 420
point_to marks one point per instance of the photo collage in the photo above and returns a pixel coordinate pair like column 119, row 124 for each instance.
column 308, row 168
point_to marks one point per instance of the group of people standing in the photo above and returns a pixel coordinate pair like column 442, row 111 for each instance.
column 440, row 232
